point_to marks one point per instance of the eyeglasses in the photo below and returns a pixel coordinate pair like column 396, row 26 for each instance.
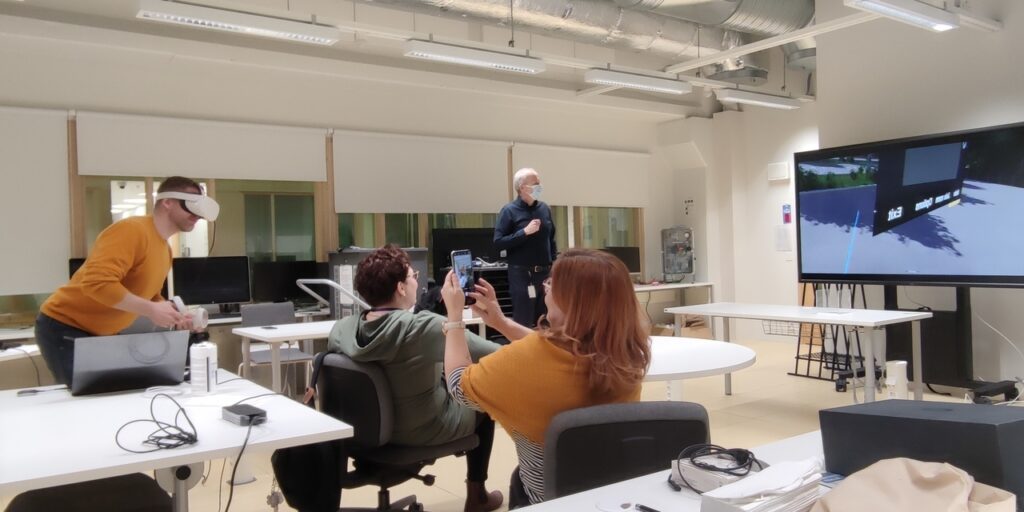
column 547, row 285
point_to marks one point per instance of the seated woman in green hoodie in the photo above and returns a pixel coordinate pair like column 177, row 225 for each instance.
column 410, row 348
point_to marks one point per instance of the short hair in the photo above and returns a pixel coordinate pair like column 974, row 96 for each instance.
column 604, row 323
column 380, row 272
column 179, row 184
column 520, row 175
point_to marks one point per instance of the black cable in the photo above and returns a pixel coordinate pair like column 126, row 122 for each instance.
column 213, row 238
column 35, row 366
column 231, row 490
column 743, row 462
column 219, row 382
column 167, row 436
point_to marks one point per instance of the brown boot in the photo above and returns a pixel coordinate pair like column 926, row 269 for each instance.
column 479, row 500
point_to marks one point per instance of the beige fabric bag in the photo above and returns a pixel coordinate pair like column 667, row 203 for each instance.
column 911, row 485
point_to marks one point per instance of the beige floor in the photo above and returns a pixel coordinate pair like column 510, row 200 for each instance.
column 766, row 405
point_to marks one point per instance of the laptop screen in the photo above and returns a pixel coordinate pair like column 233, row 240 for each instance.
column 128, row 361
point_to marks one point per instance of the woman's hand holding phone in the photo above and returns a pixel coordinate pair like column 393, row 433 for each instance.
column 454, row 297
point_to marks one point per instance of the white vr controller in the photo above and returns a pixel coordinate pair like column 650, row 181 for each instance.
column 199, row 205
column 200, row 317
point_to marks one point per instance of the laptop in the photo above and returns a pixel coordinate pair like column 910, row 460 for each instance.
column 103, row 364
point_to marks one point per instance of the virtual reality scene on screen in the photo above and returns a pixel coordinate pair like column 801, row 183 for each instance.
column 946, row 209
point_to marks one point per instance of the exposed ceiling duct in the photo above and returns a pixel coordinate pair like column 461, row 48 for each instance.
column 599, row 22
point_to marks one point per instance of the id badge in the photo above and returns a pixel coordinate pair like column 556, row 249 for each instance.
column 531, row 291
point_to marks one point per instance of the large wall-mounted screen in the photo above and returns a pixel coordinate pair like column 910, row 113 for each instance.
column 945, row 209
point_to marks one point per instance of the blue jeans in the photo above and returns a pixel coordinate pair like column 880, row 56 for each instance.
column 526, row 310
column 56, row 341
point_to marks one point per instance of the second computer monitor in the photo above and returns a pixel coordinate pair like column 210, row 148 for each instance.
column 213, row 280
column 630, row 256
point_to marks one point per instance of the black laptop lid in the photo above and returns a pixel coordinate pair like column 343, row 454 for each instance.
column 128, row 361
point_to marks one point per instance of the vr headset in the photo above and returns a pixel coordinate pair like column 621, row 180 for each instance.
column 196, row 204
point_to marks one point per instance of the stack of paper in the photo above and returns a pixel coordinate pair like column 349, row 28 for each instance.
column 783, row 487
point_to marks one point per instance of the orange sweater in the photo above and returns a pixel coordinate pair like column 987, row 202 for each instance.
column 525, row 384
column 128, row 256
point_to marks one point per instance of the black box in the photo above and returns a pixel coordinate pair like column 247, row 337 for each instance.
column 986, row 441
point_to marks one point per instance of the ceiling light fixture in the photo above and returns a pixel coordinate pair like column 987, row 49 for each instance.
column 635, row 81
column 237, row 22
column 452, row 54
column 911, row 12
column 976, row 21
column 756, row 98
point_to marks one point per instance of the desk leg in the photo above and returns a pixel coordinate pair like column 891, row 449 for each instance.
column 275, row 367
column 915, row 350
column 674, row 390
column 246, row 358
column 726, row 338
column 179, row 498
column 868, row 348
column 677, row 325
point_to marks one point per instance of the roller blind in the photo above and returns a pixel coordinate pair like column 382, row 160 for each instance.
column 587, row 177
column 127, row 145
column 381, row 173
column 33, row 200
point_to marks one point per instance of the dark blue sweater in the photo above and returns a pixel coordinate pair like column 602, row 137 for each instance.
column 536, row 249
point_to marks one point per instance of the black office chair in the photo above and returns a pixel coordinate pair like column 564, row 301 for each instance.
column 359, row 394
column 128, row 493
column 594, row 446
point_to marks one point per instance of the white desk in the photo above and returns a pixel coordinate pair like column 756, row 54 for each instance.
column 648, row 288
column 19, row 352
column 17, row 334
column 653, row 491
column 868, row 320
column 276, row 335
column 53, row 438
column 674, row 359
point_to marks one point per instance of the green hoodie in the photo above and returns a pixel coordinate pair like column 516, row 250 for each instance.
column 410, row 348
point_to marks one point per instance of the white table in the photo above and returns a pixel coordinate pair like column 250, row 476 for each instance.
column 674, row 359
column 19, row 352
column 653, row 491
column 680, row 288
column 867, row 320
column 17, row 334
column 53, row 438
column 276, row 335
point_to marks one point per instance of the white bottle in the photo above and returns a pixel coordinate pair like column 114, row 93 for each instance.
column 203, row 358
column 896, row 379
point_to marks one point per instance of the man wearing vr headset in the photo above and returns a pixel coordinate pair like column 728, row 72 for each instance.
column 122, row 277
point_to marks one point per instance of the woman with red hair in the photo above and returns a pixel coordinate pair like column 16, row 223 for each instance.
column 591, row 348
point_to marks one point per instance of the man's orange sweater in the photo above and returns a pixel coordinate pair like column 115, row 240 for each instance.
column 128, row 256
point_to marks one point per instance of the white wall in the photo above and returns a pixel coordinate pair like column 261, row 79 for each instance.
column 883, row 79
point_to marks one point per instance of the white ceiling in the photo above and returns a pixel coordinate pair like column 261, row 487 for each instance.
column 113, row 22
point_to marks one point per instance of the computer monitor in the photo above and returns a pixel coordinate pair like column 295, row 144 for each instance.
column 479, row 241
column 212, row 280
column 128, row 361
column 274, row 281
column 630, row 257
column 76, row 263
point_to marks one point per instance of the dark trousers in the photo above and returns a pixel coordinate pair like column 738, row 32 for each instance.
column 56, row 341
column 479, row 458
column 526, row 310
column 517, row 496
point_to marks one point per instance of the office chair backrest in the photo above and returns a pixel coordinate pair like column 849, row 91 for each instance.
column 358, row 394
column 594, row 446
column 267, row 313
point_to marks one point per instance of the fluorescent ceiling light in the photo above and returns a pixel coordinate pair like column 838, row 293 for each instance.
column 430, row 50
column 912, row 12
column 237, row 22
column 756, row 98
column 634, row 81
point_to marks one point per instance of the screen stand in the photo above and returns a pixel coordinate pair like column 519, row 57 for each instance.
column 946, row 341
column 230, row 309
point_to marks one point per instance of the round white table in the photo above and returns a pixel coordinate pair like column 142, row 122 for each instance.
column 674, row 359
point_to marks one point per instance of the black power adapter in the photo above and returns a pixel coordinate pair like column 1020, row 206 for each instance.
column 244, row 414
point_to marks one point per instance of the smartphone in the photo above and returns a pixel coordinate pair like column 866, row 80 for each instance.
column 462, row 264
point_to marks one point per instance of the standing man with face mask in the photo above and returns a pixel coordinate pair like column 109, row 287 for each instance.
column 121, row 279
column 525, row 233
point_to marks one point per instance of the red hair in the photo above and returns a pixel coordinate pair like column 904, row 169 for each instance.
column 603, row 324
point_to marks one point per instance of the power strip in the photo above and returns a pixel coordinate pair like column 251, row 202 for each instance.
column 687, row 475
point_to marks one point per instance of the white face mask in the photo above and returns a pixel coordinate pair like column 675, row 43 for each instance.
column 536, row 191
